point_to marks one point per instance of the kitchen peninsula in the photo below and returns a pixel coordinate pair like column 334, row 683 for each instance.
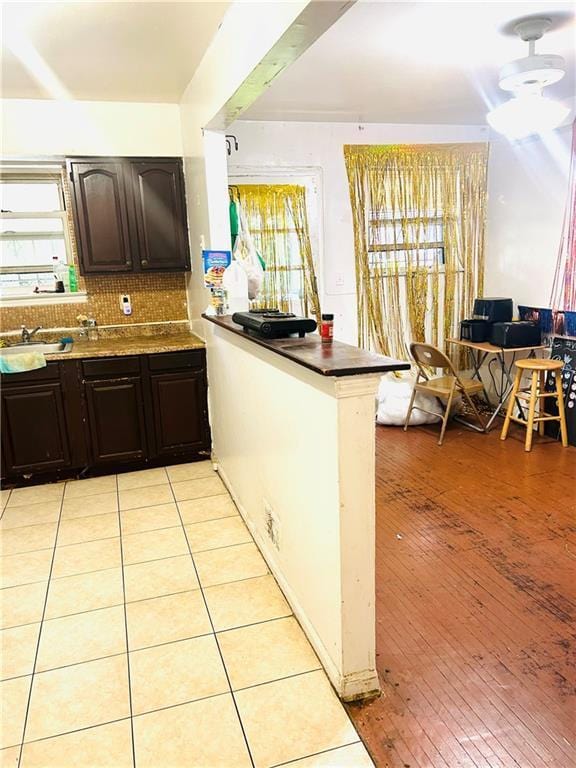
column 293, row 436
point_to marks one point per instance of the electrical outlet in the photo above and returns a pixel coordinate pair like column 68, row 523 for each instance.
column 272, row 524
column 339, row 279
column 125, row 303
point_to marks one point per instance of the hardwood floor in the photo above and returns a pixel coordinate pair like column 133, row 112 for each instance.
column 476, row 602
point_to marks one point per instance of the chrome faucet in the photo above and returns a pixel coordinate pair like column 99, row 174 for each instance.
column 27, row 335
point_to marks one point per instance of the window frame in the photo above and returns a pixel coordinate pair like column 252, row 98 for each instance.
column 310, row 177
column 404, row 265
column 35, row 175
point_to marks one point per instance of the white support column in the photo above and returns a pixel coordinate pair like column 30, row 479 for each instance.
column 356, row 473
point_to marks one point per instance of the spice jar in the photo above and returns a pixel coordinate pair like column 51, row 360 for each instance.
column 327, row 329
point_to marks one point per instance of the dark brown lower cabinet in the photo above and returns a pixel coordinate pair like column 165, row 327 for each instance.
column 103, row 412
column 116, row 420
column 178, row 401
column 34, row 430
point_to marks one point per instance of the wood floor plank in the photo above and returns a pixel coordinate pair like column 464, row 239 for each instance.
column 475, row 603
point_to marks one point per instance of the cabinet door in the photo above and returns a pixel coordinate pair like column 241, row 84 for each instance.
column 180, row 412
column 34, row 433
column 101, row 216
column 116, row 420
column 157, row 187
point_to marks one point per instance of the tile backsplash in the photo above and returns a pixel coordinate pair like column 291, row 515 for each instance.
column 155, row 298
column 159, row 297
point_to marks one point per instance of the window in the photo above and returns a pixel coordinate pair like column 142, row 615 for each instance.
column 401, row 242
column 284, row 275
column 33, row 229
column 276, row 218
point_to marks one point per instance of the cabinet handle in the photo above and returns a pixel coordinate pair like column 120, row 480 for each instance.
column 144, row 261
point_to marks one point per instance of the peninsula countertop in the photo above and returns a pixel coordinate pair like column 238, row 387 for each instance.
column 336, row 359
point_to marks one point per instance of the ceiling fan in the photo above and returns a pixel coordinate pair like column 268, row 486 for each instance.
column 529, row 111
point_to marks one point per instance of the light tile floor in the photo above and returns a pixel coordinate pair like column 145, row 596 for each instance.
column 140, row 627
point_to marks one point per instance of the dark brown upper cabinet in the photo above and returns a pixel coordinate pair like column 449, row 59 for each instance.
column 160, row 214
column 130, row 214
column 101, row 218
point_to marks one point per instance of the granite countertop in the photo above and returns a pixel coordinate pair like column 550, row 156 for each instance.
column 336, row 359
column 131, row 345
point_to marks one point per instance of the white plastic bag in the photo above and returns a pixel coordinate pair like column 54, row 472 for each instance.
column 245, row 254
column 394, row 398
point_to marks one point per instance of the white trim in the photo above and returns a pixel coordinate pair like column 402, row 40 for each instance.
column 62, row 214
column 43, row 299
column 30, row 166
column 278, row 174
column 273, row 171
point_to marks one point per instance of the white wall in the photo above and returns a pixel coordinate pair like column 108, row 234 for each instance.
column 35, row 127
column 304, row 444
column 527, row 189
column 275, row 145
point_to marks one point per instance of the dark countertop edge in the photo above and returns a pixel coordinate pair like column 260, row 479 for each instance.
column 393, row 365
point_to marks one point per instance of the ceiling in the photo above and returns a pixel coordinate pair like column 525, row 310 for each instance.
column 405, row 62
column 109, row 51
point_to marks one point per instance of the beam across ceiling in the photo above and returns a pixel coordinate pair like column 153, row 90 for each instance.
column 315, row 18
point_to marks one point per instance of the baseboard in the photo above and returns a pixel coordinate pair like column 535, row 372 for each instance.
column 353, row 687
column 360, row 686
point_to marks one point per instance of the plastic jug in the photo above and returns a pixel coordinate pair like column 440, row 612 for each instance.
column 235, row 281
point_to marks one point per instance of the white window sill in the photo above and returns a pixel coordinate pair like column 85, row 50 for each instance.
column 41, row 299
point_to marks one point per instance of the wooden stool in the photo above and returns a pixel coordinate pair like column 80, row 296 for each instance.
column 535, row 393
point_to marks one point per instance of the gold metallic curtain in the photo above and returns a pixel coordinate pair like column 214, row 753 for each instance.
column 418, row 215
column 278, row 222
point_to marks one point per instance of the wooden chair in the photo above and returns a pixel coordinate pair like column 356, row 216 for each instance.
column 442, row 387
column 536, row 395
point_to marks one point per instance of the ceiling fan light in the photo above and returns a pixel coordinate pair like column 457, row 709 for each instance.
column 541, row 69
column 526, row 114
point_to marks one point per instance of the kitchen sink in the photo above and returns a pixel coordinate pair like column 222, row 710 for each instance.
column 45, row 348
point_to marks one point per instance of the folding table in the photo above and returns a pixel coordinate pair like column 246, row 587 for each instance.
column 480, row 351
